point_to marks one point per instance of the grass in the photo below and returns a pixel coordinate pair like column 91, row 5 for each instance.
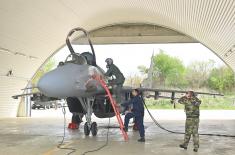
column 208, row 103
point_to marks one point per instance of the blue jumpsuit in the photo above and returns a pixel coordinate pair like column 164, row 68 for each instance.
column 137, row 113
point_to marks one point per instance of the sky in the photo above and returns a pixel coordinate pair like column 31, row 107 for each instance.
column 129, row 56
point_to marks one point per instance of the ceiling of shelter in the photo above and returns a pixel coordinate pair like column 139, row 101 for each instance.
column 31, row 30
column 134, row 33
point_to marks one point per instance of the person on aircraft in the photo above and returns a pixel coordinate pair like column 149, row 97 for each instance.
column 191, row 104
column 119, row 80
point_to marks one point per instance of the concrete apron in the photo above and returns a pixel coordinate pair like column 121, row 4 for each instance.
column 40, row 136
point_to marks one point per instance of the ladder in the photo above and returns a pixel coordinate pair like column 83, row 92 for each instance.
column 114, row 104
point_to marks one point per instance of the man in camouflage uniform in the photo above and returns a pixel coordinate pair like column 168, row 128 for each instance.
column 191, row 103
column 117, row 83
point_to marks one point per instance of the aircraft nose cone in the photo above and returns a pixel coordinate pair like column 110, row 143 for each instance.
column 50, row 85
column 44, row 83
column 62, row 82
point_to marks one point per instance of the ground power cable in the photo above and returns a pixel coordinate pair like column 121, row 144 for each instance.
column 175, row 132
column 60, row 145
column 101, row 147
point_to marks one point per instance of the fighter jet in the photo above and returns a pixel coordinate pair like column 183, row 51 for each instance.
column 73, row 80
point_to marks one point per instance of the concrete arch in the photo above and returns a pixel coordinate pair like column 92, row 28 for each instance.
column 30, row 31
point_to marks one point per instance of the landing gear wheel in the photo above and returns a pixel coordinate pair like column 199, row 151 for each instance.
column 94, row 129
column 86, row 129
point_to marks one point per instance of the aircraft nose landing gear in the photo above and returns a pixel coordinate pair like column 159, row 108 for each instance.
column 90, row 128
column 86, row 129
column 94, row 129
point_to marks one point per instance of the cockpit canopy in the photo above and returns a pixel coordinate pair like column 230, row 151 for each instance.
column 89, row 57
column 80, row 59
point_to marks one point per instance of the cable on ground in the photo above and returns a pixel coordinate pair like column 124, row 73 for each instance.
column 175, row 132
column 101, row 147
column 60, row 145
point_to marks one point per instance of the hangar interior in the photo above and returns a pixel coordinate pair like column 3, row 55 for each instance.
column 32, row 31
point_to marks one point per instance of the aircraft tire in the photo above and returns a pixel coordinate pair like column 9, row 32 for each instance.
column 86, row 129
column 94, row 129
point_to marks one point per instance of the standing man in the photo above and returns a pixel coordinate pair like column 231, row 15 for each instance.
column 191, row 106
column 113, row 70
column 137, row 112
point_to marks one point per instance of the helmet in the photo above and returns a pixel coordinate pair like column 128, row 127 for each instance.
column 109, row 61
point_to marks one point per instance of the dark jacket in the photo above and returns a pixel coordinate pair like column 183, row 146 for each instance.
column 114, row 71
column 138, row 107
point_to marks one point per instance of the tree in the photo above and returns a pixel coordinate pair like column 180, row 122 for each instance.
column 222, row 79
column 169, row 70
column 133, row 81
column 143, row 69
column 197, row 73
column 48, row 66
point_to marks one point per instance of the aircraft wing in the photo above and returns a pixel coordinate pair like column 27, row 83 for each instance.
column 35, row 96
column 166, row 93
column 25, row 94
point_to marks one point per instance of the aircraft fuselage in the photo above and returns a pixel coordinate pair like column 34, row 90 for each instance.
column 70, row 80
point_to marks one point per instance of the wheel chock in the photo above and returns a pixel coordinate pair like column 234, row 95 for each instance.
column 73, row 126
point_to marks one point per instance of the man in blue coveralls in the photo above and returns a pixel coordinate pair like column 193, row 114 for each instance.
column 137, row 112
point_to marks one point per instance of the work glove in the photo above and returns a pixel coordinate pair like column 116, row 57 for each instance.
column 195, row 103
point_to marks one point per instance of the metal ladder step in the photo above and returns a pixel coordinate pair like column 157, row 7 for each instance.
column 114, row 105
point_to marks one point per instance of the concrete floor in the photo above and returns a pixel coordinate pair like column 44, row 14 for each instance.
column 40, row 136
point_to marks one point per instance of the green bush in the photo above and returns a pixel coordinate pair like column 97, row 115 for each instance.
column 208, row 103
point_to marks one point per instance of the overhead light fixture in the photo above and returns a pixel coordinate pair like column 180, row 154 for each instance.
column 229, row 52
column 9, row 73
column 5, row 50
column 21, row 54
column 16, row 77
column 32, row 57
column 233, row 48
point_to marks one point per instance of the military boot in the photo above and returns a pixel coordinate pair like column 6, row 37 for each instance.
column 142, row 139
column 183, row 146
column 196, row 148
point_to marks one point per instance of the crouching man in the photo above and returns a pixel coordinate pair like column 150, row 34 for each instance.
column 136, row 112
